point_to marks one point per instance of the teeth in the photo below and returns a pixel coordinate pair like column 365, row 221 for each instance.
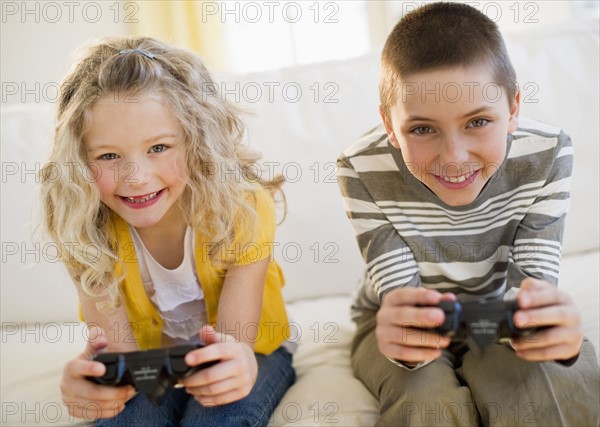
column 455, row 180
column 142, row 199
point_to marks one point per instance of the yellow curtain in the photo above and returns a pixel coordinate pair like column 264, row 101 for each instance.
column 180, row 23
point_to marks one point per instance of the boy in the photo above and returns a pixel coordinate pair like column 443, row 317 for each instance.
column 449, row 200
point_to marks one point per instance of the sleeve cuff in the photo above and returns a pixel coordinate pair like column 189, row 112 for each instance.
column 569, row 362
column 566, row 363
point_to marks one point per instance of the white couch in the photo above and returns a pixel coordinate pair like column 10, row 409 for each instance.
column 301, row 134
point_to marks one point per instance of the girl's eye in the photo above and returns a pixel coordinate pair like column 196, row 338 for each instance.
column 108, row 156
column 477, row 123
column 422, row 130
column 159, row 148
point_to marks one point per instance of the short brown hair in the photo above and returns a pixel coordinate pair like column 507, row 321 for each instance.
column 441, row 35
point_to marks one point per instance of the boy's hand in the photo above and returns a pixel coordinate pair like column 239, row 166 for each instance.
column 401, row 325
column 85, row 399
column 542, row 304
column 229, row 380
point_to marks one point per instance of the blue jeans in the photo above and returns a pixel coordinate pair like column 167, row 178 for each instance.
column 275, row 376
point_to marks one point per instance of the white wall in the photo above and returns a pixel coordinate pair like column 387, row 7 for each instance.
column 511, row 16
column 37, row 40
column 39, row 37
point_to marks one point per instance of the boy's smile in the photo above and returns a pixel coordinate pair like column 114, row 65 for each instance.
column 451, row 126
column 135, row 147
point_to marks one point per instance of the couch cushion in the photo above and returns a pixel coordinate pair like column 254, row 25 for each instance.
column 557, row 70
column 34, row 285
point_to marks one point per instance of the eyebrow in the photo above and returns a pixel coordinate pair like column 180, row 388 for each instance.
column 471, row 113
column 147, row 141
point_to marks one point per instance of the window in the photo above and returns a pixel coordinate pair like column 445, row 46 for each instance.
column 273, row 34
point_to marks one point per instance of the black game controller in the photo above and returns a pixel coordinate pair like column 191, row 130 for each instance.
column 151, row 372
column 481, row 323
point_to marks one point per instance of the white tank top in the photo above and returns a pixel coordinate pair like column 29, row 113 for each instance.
column 176, row 294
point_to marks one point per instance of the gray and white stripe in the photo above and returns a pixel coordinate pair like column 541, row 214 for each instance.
column 409, row 238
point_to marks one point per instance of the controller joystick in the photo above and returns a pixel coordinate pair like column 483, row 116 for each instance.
column 151, row 372
column 481, row 323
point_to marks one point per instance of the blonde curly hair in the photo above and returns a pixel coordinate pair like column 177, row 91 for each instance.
column 218, row 203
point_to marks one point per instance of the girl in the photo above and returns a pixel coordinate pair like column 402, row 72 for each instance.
column 169, row 235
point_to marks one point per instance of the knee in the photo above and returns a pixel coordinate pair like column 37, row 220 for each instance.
column 226, row 416
column 427, row 411
column 426, row 398
column 541, row 393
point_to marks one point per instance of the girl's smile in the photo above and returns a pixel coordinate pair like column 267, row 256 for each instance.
column 140, row 202
column 137, row 153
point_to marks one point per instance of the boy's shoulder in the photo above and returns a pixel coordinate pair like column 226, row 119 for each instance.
column 375, row 141
column 533, row 137
column 529, row 126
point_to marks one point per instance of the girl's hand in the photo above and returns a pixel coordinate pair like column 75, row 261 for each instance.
column 85, row 399
column 229, row 380
column 542, row 304
column 402, row 325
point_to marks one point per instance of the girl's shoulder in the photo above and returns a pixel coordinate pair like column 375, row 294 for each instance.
column 261, row 199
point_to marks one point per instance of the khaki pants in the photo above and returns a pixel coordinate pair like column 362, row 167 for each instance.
column 459, row 389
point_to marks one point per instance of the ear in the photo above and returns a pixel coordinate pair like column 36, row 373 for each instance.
column 387, row 123
column 513, row 120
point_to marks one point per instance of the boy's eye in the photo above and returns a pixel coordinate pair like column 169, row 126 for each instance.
column 422, row 130
column 108, row 156
column 477, row 123
column 159, row 148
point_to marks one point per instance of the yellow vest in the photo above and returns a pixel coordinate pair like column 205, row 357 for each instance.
column 273, row 328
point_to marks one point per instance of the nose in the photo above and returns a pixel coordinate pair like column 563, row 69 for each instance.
column 453, row 153
column 136, row 172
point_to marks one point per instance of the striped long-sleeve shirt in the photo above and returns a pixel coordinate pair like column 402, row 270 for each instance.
column 409, row 237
